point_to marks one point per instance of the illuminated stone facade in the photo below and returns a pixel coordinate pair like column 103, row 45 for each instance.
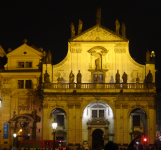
column 99, row 54
column 109, row 95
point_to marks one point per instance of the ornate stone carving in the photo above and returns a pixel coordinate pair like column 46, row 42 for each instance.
column 77, row 105
column 76, row 48
column 24, row 104
column 135, row 74
column 6, row 80
column 6, row 91
column 45, row 105
column 95, row 121
column 98, row 34
column 125, row 106
column 118, row 106
column 70, row 105
column 120, row 50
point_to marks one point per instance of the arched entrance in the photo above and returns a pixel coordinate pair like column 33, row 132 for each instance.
column 97, row 139
column 138, row 123
column 97, row 115
column 59, row 115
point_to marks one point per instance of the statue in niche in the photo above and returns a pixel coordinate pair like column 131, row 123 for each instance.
column 80, row 26
column 71, row 77
column 79, row 77
column 72, row 30
column 147, row 56
column 149, row 77
column 124, row 77
column 97, row 63
column 117, row 77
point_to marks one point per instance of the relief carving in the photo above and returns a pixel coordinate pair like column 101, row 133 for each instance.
column 76, row 48
column 97, row 34
column 70, row 105
column 120, row 50
column 45, row 105
column 135, row 74
column 6, row 91
column 23, row 104
column 5, row 80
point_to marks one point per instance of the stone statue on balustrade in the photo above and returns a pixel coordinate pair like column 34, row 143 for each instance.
column 149, row 77
column 117, row 77
column 124, row 78
column 72, row 30
column 79, row 77
column 71, row 77
column 97, row 64
column 46, row 77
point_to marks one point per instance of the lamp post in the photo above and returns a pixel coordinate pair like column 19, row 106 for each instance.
column 54, row 125
column 0, row 102
column 14, row 135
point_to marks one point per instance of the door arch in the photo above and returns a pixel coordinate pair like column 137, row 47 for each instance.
column 97, row 139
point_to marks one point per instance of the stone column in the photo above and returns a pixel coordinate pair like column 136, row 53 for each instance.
column 78, row 123
column 71, row 125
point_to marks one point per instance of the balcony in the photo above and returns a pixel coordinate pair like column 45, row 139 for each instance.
column 98, row 87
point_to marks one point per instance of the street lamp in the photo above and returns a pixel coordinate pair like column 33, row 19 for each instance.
column 0, row 102
column 14, row 135
column 54, row 125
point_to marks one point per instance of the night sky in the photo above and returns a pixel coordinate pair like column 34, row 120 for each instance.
column 46, row 24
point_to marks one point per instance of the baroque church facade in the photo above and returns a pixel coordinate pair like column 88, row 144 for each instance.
column 98, row 93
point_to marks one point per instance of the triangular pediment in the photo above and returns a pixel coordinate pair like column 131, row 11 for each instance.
column 23, row 51
column 98, row 33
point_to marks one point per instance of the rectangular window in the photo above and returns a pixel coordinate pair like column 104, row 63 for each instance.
column 28, row 64
column 20, row 84
column 28, row 84
column 101, row 113
column 136, row 120
column 94, row 113
column 60, row 120
column 98, row 78
column 20, row 64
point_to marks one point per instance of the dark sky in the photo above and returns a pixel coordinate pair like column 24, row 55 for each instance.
column 46, row 24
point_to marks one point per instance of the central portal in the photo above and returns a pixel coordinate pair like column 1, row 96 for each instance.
column 97, row 139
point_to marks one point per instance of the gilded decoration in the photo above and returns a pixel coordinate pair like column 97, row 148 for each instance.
column 75, row 48
column 98, row 34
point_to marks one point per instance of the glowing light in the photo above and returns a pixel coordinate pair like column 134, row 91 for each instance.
column 20, row 130
column 145, row 139
column 14, row 135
